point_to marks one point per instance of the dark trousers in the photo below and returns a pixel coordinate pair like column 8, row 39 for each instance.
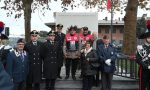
column 71, row 63
column 106, row 80
column 87, row 82
column 97, row 77
column 59, row 71
column 144, row 79
column 20, row 86
column 50, row 84
column 36, row 86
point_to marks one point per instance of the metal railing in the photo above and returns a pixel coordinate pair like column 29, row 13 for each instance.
column 127, row 67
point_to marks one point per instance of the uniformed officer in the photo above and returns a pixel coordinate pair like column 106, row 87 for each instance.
column 17, row 65
column 107, row 57
column 71, row 51
column 5, row 80
column 35, row 61
column 143, row 59
column 51, row 54
column 60, row 39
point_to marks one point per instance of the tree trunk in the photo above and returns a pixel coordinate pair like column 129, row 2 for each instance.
column 27, row 20
column 129, row 43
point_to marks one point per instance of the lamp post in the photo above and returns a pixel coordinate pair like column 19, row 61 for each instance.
column 111, row 25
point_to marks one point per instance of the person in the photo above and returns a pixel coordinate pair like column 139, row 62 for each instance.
column 60, row 39
column 107, row 56
column 97, row 41
column 17, row 65
column 6, row 82
column 85, row 36
column 71, row 51
column 51, row 54
column 143, row 59
column 89, row 60
column 35, row 61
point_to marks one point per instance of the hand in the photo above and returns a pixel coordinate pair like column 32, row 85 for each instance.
column 108, row 62
column 87, row 59
column 148, row 67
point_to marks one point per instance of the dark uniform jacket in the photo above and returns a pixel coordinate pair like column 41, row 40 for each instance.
column 103, row 55
column 60, row 40
column 89, row 67
column 50, row 53
column 5, row 80
column 35, row 61
column 17, row 67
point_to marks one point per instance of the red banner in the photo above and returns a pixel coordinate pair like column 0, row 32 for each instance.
column 108, row 4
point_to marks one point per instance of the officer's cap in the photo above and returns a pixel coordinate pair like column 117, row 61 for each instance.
column 34, row 32
column 144, row 35
column 3, row 37
column 59, row 25
column 51, row 33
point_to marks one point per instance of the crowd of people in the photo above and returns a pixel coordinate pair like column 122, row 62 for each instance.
column 29, row 62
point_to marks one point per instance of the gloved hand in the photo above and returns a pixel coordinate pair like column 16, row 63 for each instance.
column 87, row 59
column 148, row 67
column 108, row 62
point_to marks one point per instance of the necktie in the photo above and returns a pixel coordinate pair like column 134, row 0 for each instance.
column 22, row 56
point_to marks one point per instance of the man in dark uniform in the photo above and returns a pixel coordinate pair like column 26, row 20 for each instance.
column 6, row 82
column 17, row 65
column 107, row 56
column 60, row 39
column 71, row 51
column 35, row 61
column 143, row 59
column 51, row 54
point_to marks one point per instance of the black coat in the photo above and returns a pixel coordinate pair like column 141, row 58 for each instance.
column 60, row 40
column 50, row 53
column 35, row 61
column 90, row 67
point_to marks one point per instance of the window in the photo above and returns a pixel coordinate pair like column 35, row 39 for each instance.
column 99, row 30
column 121, row 30
column 106, row 30
column 114, row 30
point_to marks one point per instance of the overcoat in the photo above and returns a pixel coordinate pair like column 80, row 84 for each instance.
column 35, row 61
column 50, row 53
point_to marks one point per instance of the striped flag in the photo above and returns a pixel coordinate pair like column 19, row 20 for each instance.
column 108, row 4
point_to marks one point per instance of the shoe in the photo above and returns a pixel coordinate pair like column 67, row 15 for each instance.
column 73, row 77
column 67, row 77
column 59, row 77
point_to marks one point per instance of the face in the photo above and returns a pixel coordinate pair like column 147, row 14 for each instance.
column 20, row 46
column 51, row 37
column 34, row 38
column 87, row 46
column 59, row 29
column 106, row 41
column 72, row 31
column 148, row 40
column 85, row 32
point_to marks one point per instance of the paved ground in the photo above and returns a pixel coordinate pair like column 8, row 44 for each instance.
column 62, row 84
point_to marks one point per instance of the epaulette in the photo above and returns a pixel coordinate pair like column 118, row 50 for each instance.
column 141, row 51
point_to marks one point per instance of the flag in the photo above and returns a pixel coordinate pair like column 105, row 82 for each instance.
column 108, row 4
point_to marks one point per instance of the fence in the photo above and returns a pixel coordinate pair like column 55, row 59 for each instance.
column 126, row 67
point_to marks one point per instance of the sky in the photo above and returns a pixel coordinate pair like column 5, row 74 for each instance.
column 37, row 21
